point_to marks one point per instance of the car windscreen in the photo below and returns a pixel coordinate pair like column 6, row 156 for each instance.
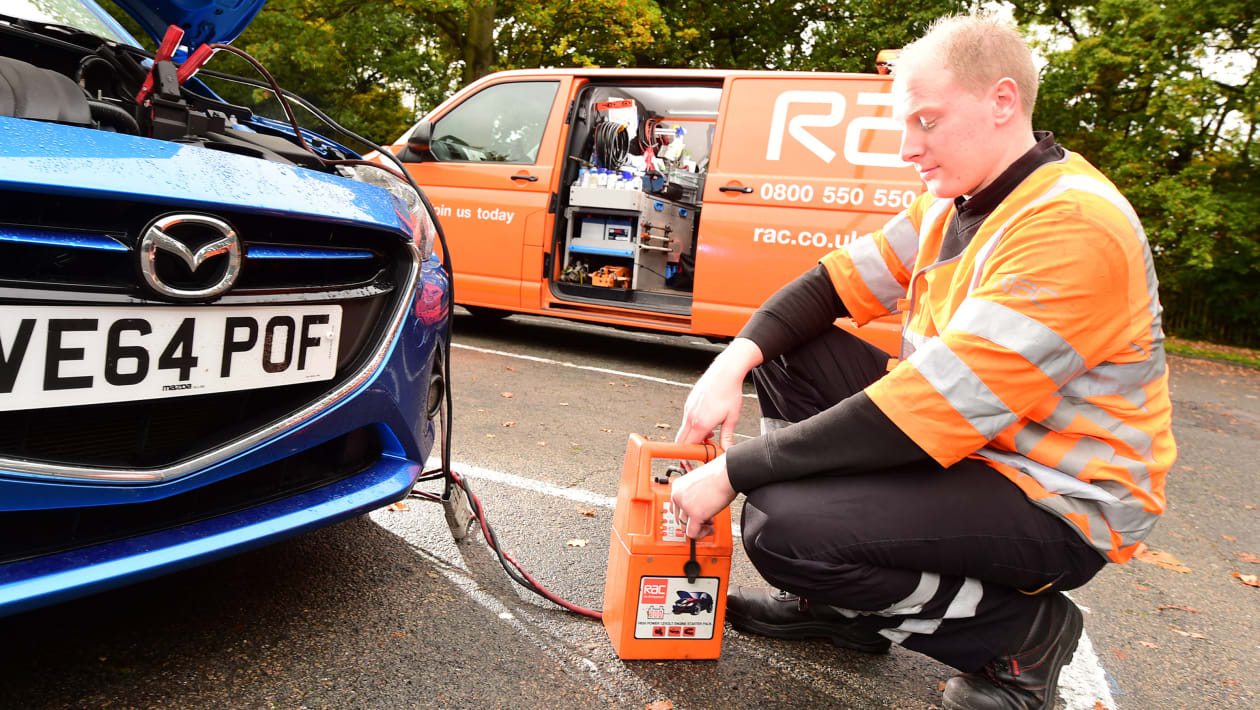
column 64, row 12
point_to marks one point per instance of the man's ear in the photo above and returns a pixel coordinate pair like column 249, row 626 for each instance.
column 1006, row 104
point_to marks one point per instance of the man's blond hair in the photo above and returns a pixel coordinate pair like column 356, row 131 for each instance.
column 978, row 50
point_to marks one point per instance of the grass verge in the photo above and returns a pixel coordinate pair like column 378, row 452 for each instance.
column 1210, row 351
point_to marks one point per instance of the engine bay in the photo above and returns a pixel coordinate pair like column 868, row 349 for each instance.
column 60, row 74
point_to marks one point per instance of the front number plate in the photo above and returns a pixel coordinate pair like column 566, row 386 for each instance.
column 52, row 356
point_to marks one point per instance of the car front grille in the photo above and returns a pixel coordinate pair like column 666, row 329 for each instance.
column 26, row 534
column 58, row 251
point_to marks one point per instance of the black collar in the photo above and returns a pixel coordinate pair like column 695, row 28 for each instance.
column 985, row 201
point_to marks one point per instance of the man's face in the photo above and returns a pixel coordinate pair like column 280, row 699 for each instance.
column 949, row 132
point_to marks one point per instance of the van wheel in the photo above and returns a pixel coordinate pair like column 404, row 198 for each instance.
column 483, row 313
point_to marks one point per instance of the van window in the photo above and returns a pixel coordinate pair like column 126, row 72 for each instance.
column 503, row 123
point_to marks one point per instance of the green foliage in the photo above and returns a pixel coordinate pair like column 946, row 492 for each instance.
column 850, row 34
column 1163, row 98
column 349, row 66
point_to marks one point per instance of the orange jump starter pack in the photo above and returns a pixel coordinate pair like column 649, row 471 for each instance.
column 664, row 595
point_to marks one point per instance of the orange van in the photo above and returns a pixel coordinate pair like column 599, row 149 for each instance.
column 676, row 200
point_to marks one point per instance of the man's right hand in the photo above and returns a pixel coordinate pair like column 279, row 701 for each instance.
column 716, row 399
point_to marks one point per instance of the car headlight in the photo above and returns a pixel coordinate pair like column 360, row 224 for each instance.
column 423, row 229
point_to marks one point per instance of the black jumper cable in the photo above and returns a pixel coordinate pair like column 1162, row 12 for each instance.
column 461, row 504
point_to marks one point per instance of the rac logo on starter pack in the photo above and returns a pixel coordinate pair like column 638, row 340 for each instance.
column 827, row 110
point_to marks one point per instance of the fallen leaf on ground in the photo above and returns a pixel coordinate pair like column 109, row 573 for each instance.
column 542, row 443
column 659, row 705
column 506, row 395
column 489, row 436
column 1231, row 538
column 1099, row 706
column 1141, row 587
column 1190, row 634
column 1248, row 557
column 662, row 425
column 587, row 512
column 1190, row 609
column 1147, row 644
column 941, row 686
column 1160, row 558
column 1249, row 506
column 509, row 368
column 399, row 506
column 509, row 423
column 606, row 430
column 576, row 542
column 1122, row 655
column 1250, row 580
column 1229, row 682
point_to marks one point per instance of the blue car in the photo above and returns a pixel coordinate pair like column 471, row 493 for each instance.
column 213, row 335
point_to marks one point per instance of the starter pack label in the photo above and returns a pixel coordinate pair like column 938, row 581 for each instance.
column 672, row 607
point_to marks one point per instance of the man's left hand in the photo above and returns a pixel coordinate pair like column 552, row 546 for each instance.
column 700, row 495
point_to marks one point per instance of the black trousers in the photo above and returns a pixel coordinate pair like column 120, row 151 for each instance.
column 945, row 561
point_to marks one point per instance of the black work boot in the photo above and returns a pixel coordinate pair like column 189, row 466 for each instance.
column 781, row 615
column 1026, row 679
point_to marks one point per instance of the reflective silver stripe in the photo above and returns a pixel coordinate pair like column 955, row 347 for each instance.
column 1138, row 440
column 966, row 601
column 1117, row 378
column 912, row 341
column 1021, row 334
column 903, row 239
column 1028, row 437
column 964, row 391
column 933, row 213
column 1136, row 397
column 1105, row 504
column 1086, row 450
column 1075, row 460
column 929, row 582
column 875, row 274
column 1099, row 536
column 963, row 606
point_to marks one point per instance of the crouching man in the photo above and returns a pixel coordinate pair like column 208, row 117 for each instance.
column 1020, row 443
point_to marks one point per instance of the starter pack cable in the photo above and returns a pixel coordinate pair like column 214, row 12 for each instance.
column 513, row 568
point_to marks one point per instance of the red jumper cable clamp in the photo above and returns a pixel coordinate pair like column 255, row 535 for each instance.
column 162, row 63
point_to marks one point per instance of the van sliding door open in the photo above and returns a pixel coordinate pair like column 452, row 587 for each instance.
column 629, row 201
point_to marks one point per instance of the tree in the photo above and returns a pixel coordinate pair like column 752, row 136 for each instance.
column 850, row 34
column 1163, row 98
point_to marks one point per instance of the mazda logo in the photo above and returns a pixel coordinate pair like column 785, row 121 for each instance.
column 192, row 240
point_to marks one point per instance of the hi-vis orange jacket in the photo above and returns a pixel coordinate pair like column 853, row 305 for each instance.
column 1038, row 349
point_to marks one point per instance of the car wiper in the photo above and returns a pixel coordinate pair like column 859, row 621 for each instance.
column 40, row 29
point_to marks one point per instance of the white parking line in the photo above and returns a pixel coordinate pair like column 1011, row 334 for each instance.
column 1082, row 683
column 562, row 363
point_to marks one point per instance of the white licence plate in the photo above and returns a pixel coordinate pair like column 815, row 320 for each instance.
column 55, row 356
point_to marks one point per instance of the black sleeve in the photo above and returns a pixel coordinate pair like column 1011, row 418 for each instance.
column 851, row 437
column 802, row 309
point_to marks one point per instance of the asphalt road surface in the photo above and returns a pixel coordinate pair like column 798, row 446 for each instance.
column 388, row 611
